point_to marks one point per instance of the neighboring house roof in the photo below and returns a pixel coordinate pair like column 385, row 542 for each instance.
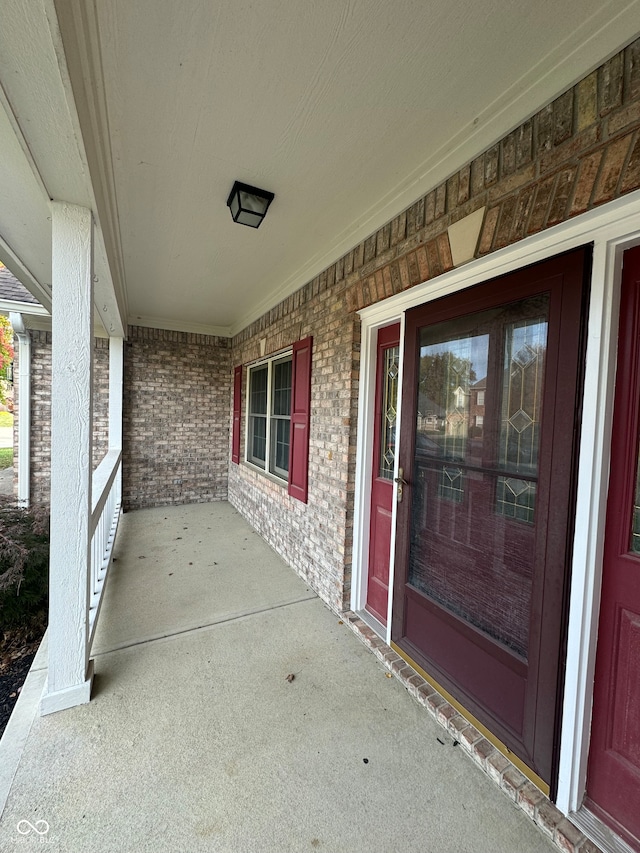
column 12, row 290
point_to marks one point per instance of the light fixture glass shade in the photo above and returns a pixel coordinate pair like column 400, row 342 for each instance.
column 248, row 204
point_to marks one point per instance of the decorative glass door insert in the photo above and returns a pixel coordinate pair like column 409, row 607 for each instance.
column 477, row 465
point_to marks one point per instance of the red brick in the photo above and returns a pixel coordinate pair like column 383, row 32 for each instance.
column 398, row 229
column 441, row 201
column 388, row 284
column 567, row 837
column 488, row 230
column 383, row 239
column 529, row 798
column 548, row 817
column 614, row 158
column 396, row 281
column 481, row 750
column 587, row 101
column 624, row 117
column 477, row 176
column 491, row 165
column 512, row 782
column 430, row 208
column 632, row 61
column 453, row 188
column 611, row 74
column 505, row 224
column 414, row 270
column 522, row 212
column 496, row 765
column 571, row 149
column 563, row 117
column 444, row 250
column 423, row 263
column 631, row 177
column 587, row 173
column 464, row 184
column 561, row 196
column 543, row 129
column 445, row 713
column 524, row 144
column 404, row 273
column 508, row 146
column 541, row 205
column 434, row 258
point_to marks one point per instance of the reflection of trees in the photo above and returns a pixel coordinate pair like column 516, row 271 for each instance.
column 441, row 374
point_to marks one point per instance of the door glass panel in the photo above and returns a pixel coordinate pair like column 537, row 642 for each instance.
column 389, row 412
column 473, row 530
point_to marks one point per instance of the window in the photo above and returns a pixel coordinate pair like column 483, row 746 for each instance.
column 269, row 421
column 278, row 404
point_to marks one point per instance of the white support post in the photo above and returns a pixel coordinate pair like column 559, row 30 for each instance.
column 70, row 671
column 116, row 368
column 24, row 408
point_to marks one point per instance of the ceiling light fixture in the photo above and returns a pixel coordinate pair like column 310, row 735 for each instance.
column 248, row 205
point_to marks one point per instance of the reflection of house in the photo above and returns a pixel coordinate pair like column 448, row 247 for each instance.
column 430, row 417
column 476, row 403
column 130, row 130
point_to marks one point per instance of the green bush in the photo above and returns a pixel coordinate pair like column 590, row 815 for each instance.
column 24, row 564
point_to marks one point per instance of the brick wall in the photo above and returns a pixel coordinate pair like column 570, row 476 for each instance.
column 313, row 537
column 576, row 153
column 41, row 410
column 177, row 388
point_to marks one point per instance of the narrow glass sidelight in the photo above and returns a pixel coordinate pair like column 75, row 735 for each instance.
column 389, row 413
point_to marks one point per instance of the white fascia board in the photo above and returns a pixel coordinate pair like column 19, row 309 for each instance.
column 27, row 309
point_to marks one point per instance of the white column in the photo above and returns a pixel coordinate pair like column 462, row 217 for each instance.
column 24, row 408
column 70, row 672
column 116, row 368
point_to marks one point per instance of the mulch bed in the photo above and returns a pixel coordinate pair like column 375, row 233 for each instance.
column 18, row 647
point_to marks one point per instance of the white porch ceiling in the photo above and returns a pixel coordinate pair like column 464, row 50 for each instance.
column 347, row 110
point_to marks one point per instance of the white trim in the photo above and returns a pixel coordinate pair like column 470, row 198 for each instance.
column 170, row 325
column 28, row 309
column 597, row 832
column 71, row 442
column 24, row 408
column 68, row 697
column 611, row 228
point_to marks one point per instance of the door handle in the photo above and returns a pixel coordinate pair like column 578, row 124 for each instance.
column 401, row 482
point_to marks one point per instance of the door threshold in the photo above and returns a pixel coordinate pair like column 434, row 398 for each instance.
column 373, row 623
column 599, row 832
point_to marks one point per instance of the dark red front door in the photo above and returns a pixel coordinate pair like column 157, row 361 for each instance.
column 613, row 779
column 490, row 414
column 384, row 450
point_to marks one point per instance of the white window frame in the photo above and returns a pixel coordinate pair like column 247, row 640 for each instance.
column 278, row 474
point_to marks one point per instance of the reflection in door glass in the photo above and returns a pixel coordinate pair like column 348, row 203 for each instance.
column 473, row 527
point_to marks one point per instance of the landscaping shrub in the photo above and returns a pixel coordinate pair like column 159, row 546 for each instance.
column 24, row 564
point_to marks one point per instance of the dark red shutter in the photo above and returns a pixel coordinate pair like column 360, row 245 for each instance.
column 237, row 405
column 300, row 412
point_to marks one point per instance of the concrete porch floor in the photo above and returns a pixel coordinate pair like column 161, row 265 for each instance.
column 196, row 741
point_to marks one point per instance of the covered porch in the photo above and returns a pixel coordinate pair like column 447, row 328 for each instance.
column 197, row 740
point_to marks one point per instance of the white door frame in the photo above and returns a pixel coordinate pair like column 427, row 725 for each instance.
column 611, row 229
